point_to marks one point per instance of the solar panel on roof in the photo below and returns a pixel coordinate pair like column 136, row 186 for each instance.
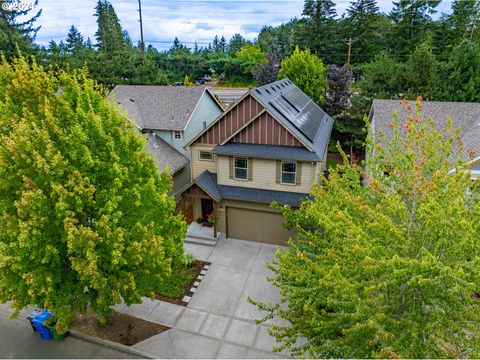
column 310, row 120
column 278, row 110
column 280, row 104
column 296, row 98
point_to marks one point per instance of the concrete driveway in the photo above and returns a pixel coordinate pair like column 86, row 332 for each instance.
column 219, row 322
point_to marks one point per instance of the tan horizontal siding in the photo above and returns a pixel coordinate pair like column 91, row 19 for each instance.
column 264, row 176
column 199, row 166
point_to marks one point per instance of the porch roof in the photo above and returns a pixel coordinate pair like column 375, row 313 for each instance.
column 208, row 182
column 266, row 151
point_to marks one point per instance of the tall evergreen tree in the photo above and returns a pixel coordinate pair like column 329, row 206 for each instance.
column 17, row 28
column 319, row 10
column 222, row 46
column 421, row 73
column 110, row 35
column 319, row 30
column 362, row 26
column 464, row 22
column 216, row 44
column 74, row 40
column 176, row 45
column 235, row 44
column 411, row 20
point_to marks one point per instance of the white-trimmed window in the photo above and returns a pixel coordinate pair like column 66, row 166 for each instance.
column 177, row 135
column 289, row 172
column 240, row 168
column 205, row 156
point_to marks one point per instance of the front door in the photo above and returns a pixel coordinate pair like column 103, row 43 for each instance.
column 207, row 208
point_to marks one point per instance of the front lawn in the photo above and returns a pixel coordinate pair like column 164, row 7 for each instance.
column 174, row 288
column 179, row 282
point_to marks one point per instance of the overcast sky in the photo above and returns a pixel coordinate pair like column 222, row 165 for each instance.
column 189, row 20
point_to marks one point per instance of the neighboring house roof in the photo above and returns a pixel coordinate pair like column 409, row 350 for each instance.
column 297, row 112
column 164, row 154
column 208, row 183
column 159, row 107
column 465, row 116
column 266, row 151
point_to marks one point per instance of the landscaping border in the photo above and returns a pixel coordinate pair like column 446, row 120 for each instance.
column 112, row 344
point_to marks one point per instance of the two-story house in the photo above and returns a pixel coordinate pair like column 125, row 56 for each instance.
column 170, row 117
column 271, row 145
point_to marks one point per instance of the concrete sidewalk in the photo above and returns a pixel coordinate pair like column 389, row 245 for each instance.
column 219, row 322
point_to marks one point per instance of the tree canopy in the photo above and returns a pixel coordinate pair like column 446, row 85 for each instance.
column 86, row 217
column 385, row 263
column 307, row 72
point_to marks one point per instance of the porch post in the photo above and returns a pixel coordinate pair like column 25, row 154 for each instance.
column 216, row 218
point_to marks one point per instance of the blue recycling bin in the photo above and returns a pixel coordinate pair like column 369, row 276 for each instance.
column 38, row 322
column 31, row 316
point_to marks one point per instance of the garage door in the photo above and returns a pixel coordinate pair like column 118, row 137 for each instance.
column 255, row 225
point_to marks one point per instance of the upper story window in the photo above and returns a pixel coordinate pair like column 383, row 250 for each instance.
column 289, row 172
column 240, row 168
column 177, row 135
column 205, row 156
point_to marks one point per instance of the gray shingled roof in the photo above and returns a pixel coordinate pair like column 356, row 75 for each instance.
column 266, row 151
column 465, row 116
column 164, row 154
column 158, row 107
column 208, row 182
column 297, row 112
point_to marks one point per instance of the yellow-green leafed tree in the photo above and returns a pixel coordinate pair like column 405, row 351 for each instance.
column 85, row 217
column 308, row 72
column 386, row 262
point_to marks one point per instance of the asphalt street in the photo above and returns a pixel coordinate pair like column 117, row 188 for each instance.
column 17, row 340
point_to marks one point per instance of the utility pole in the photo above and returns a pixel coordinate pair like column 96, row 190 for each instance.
column 141, row 30
column 349, row 50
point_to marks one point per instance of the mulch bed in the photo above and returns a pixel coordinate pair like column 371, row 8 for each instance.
column 198, row 265
column 120, row 328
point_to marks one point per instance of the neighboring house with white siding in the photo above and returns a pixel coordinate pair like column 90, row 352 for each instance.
column 170, row 117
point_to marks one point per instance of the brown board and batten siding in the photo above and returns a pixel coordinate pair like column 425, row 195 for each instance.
column 232, row 121
column 266, row 130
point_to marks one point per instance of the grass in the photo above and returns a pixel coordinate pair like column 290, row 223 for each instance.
column 177, row 283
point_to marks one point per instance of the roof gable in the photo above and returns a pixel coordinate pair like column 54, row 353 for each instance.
column 230, row 122
column 297, row 113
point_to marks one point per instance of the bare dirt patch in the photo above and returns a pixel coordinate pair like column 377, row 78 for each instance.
column 120, row 328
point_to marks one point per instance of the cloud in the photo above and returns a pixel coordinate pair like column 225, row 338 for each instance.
column 189, row 20
column 204, row 26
